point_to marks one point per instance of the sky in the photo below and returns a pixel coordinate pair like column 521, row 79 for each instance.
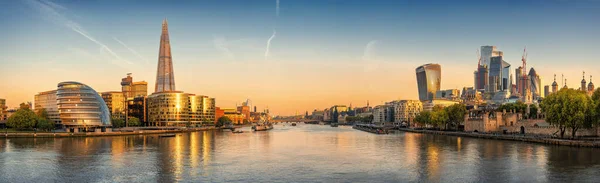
column 290, row 56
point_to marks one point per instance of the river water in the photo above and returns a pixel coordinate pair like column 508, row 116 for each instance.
column 305, row 153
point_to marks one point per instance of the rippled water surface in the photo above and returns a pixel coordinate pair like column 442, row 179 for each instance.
column 305, row 153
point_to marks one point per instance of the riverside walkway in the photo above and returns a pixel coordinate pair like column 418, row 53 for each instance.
column 523, row 138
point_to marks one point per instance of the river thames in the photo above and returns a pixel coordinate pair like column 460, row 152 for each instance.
column 305, row 153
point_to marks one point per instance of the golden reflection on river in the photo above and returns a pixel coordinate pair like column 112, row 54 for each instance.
column 306, row 153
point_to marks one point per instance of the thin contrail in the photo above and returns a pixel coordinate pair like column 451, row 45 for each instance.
column 277, row 8
column 50, row 11
column 269, row 44
column 132, row 50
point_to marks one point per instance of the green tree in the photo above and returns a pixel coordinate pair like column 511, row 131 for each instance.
column 456, row 115
column 439, row 117
column 568, row 108
column 423, row 118
column 118, row 123
column 133, row 121
column 533, row 111
column 44, row 124
column 22, row 119
column 223, row 120
column 24, row 106
column 43, row 120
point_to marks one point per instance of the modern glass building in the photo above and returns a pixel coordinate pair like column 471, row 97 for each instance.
column 499, row 76
column 47, row 100
column 202, row 109
column 429, row 78
column 80, row 107
column 115, row 101
column 168, row 108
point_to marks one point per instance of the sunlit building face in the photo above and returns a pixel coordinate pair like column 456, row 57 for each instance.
column 80, row 106
column 429, row 78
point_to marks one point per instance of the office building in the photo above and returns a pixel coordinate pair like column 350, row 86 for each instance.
column 81, row 109
column 165, row 77
column 499, row 75
column 535, row 83
column 47, row 100
column 547, row 90
column 168, row 107
column 132, row 89
column 136, row 107
column 115, row 101
column 487, row 52
column 450, row 94
column 481, row 77
column 429, row 78
column 202, row 110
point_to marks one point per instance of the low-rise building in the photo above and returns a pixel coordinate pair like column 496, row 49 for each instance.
column 236, row 117
column 383, row 115
column 317, row 115
column 406, row 110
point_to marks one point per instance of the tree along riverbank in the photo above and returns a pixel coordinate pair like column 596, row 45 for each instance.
column 531, row 139
column 96, row 134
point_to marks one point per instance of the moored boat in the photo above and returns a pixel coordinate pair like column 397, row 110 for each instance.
column 167, row 135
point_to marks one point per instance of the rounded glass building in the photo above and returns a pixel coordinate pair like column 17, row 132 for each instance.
column 81, row 109
column 169, row 108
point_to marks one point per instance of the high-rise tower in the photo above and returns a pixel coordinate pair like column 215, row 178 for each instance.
column 165, row 79
column 429, row 78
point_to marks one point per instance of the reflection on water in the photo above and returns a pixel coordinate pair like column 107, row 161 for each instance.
column 303, row 153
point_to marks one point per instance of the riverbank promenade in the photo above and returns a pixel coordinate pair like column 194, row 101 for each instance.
column 594, row 143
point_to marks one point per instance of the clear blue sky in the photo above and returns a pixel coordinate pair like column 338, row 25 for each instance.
column 341, row 51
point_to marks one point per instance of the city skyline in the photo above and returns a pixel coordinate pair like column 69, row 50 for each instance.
column 269, row 61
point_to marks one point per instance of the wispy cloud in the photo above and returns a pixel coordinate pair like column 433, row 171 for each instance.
column 371, row 63
column 222, row 45
column 269, row 44
column 369, row 49
column 51, row 11
column 131, row 50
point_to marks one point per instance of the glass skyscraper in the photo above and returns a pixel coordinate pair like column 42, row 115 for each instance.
column 429, row 77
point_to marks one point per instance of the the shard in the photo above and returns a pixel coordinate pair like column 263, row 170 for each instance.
column 165, row 80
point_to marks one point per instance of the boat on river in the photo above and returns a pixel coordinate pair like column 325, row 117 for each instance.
column 293, row 124
column 167, row 135
column 237, row 131
column 333, row 125
column 262, row 126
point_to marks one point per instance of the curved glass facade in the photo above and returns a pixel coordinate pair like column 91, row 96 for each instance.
column 80, row 105
column 429, row 78
column 169, row 108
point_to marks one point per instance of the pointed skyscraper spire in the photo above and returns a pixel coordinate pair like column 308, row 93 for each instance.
column 165, row 79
